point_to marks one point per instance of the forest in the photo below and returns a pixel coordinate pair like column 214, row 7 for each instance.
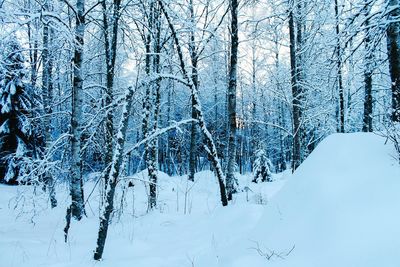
column 117, row 112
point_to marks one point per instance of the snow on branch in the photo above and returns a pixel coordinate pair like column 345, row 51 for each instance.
column 158, row 132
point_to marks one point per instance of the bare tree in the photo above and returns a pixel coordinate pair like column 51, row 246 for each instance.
column 152, row 100
column 113, row 175
column 194, row 57
column 393, row 48
column 209, row 144
column 110, row 34
column 297, row 94
column 368, row 72
column 231, row 181
column 338, row 50
column 47, row 88
column 77, row 206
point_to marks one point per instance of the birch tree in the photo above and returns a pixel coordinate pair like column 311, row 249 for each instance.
column 76, row 185
column 295, row 82
column 110, row 33
column 338, row 50
column 47, row 88
column 231, row 181
column 113, row 175
column 151, row 102
column 194, row 75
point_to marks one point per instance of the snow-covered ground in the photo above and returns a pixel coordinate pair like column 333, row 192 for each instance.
column 341, row 208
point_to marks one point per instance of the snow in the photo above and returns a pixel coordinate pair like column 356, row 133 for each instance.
column 4, row 128
column 13, row 90
column 340, row 208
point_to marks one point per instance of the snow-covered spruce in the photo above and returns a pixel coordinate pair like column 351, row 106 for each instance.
column 17, row 137
column 261, row 167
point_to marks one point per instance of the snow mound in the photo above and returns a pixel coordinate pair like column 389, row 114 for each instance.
column 340, row 208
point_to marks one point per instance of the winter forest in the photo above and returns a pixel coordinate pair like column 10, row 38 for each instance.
column 199, row 133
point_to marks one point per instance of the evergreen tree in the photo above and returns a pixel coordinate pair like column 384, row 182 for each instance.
column 16, row 135
column 261, row 167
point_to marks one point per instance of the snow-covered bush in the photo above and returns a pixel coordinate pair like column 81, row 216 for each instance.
column 260, row 198
column 393, row 134
column 261, row 167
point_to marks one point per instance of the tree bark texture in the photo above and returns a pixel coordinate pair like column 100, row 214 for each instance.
column 231, row 181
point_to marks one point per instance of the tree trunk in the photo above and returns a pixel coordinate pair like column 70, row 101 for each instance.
column 231, row 181
column 77, row 205
column 153, row 145
column 110, row 45
column 339, row 71
column 393, row 48
column 47, row 88
column 113, row 176
column 254, row 133
column 367, row 116
column 194, row 74
column 33, row 49
column 170, row 139
column 153, row 98
column 296, row 95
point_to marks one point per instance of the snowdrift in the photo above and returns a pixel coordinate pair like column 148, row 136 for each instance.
column 340, row 208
